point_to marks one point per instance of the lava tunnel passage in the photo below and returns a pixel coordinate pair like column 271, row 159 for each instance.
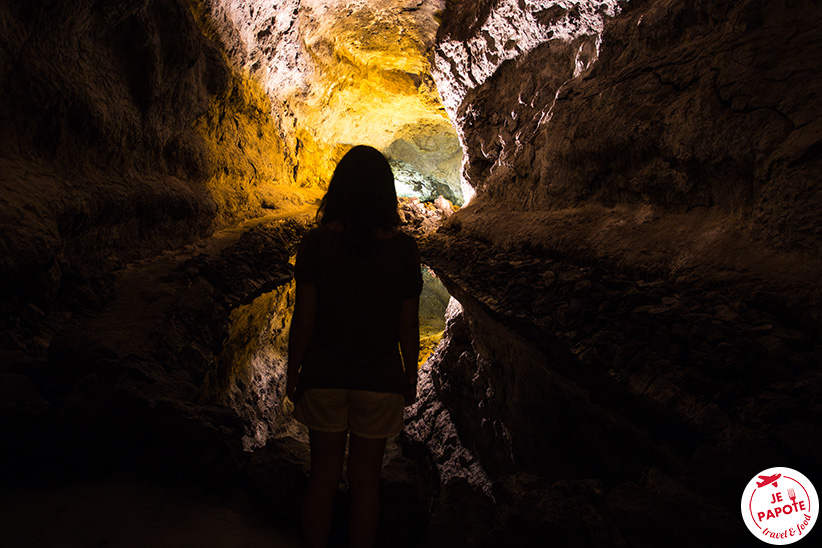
column 426, row 158
column 249, row 374
column 622, row 197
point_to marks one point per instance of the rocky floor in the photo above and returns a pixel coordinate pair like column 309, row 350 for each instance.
column 605, row 409
column 133, row 513
column 567, row 401
column 111, row 384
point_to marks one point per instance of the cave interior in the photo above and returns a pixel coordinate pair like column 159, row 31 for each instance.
column 619, row 211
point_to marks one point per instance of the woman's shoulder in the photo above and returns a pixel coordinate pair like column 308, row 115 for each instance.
column 313, row 238
column 394, row 235
column 407, row 243
column 407, row 238
column 322, row 232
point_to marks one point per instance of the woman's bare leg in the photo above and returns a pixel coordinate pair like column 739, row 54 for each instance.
column 364, row 468
column 327, row 455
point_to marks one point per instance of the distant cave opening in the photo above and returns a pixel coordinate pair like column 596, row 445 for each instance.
column 336, row 77
column 426, row 159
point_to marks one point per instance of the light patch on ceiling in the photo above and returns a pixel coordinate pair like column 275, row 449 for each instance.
column 338, row 73
column 510, row 31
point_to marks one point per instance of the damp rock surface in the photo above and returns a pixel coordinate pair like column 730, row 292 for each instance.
column 664, row 398
column 638, row 269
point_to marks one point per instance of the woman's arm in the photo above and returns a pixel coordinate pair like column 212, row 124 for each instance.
column 410, row 345
column 302, row 327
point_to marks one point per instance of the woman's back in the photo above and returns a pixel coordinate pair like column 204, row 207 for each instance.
column 358, row 302
column 356, row 305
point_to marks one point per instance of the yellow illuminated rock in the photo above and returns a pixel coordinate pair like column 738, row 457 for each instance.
column 253, row 360
column 360, row 75
column 433, row 302
column 250, row 176
column 372, row 82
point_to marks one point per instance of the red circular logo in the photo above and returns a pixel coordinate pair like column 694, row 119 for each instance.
column 780, row 505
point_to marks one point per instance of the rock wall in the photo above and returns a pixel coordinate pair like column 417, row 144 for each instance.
column 624, row 392
column 688, row 146
column 125, row 131
column 476, row 38
column 98, row 153
column 426, row 159
column 639, row 269
column 126, row 135
column 338, row 74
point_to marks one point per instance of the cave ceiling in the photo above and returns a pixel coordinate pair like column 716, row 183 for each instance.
column 340, row 74
column 637, row 282
column 384, row 73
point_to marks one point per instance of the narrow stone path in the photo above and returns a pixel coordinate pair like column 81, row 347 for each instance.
column 144, row 292
column 124, row 513
column 131, row 514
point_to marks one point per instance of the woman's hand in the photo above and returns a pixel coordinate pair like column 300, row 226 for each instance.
column 410, row 393
column 291, row 385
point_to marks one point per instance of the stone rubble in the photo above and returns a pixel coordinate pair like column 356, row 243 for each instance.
column 663, row 398
column 639, row 270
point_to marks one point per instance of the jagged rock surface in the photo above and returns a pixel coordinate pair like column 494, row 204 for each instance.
column 664, row 399
column 338, row 73
column 134, row 367
column 704, row 110
column 639, row 321
column 639, row 269
column 100, row 160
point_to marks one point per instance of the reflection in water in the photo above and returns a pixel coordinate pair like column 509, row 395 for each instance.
column 433, row 301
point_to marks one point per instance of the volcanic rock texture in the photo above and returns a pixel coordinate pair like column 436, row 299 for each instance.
column 341, row 74
column 124, row 131
column 639, row 268
column 636, row 330
column 698, row 123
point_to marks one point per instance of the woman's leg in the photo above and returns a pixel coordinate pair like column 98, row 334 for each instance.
column 327, row 455
column 364, row 468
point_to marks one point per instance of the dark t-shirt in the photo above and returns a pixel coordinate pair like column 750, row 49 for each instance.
column 355, row 343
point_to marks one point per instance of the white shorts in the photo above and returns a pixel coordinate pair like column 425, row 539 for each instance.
column 365, row 413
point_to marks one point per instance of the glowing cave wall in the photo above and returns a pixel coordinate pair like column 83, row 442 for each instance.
column 341, row 74
column 638, row 270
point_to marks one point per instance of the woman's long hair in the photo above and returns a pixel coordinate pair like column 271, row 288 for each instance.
column 361, row 194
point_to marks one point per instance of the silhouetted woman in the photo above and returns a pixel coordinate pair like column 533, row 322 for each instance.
column 354, row 340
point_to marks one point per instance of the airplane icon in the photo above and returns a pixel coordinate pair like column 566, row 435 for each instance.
column 768, row 479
